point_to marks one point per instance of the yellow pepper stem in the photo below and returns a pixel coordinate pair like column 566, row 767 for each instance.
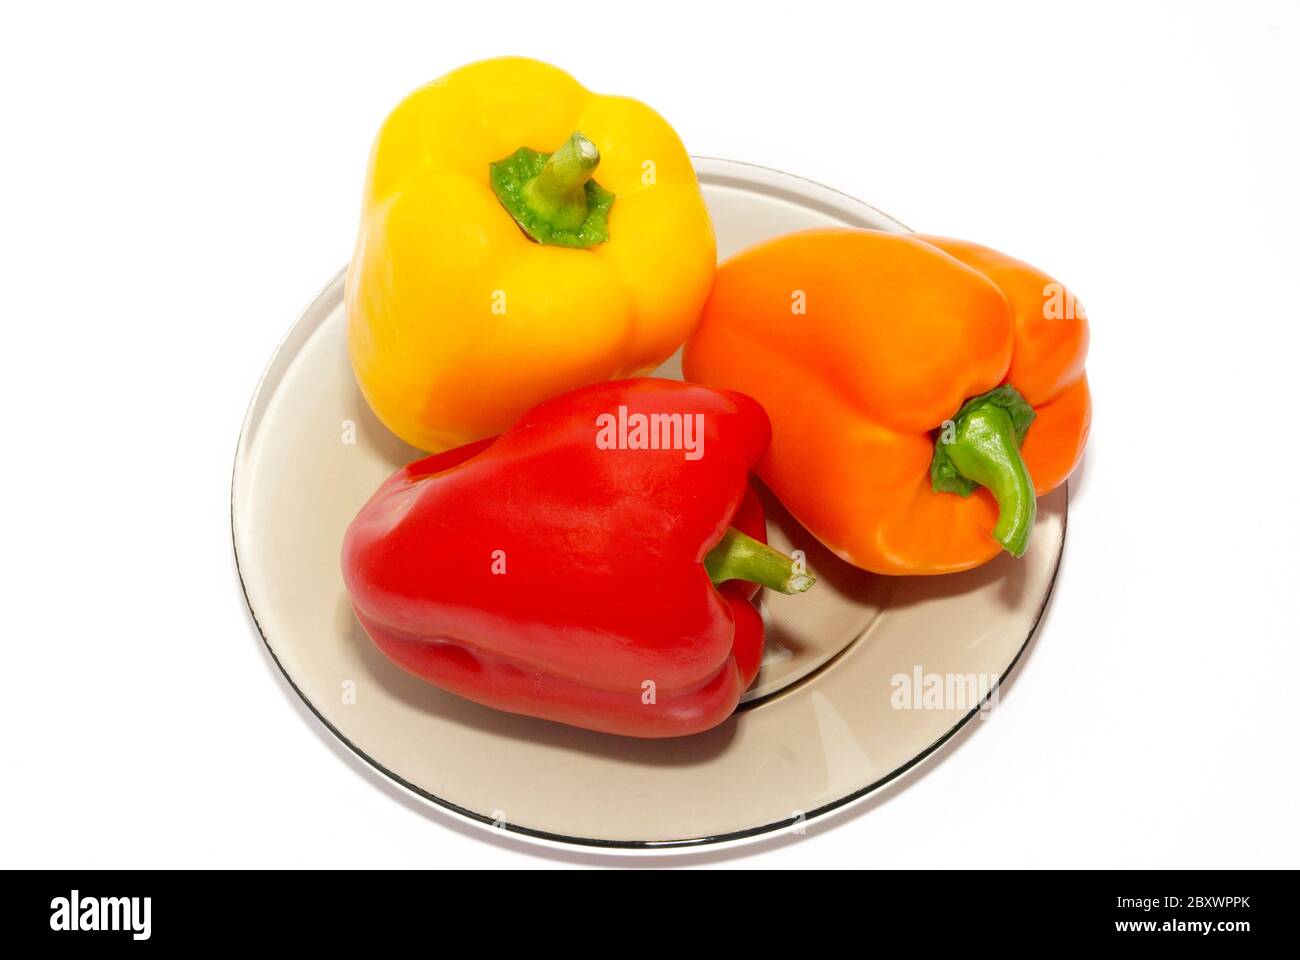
column 553, row 197
column 558, row 193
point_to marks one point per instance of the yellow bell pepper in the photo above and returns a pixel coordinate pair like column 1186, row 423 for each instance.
column 520, row 237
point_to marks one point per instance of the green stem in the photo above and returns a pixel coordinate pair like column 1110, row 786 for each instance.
column 558, row 194
column 739, row 556
column 552, row 196
column 982, row 447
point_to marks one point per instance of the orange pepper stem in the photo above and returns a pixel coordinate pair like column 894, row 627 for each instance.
column 739, row 556
column 981, row 447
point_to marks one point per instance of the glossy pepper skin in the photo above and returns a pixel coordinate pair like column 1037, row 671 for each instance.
column 863, row 347
column 459, row 320
column 542, row 574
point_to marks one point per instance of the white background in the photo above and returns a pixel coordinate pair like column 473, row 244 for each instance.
column 176, row 185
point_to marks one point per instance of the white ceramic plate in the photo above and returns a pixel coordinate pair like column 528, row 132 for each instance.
column 821, row 727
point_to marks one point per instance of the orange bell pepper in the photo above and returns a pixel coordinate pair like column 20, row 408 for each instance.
column 922, row 391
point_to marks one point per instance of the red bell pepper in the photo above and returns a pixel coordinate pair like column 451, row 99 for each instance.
column 563, row 569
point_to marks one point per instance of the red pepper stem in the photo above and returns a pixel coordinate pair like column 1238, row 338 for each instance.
column 739, row 556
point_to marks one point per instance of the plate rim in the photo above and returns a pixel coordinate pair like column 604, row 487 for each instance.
column 717, row 170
